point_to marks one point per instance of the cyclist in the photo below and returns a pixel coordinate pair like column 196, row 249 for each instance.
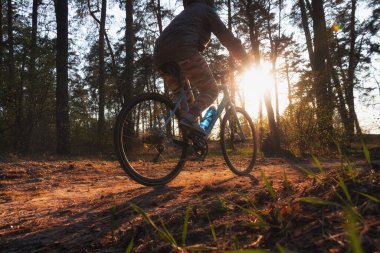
column 181, row 42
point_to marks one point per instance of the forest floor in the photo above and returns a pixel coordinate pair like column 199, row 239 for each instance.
column 85, row 206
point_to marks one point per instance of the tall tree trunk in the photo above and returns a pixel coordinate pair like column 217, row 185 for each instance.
column 13, row 86
column 129, row 45
column 102, row 76
column 305, row 25
column 62, row 93
column 32, row 96
column 158, row 14
column 253, row 30
column 290, row 96
column 1, row 42
column 340, row 99
column 273, row 53
column 231, row 78
column 2, row 88
column 157, row 9
column 11, row 64
column 321, row 87
column 129, row 60
column 352, row 62
column 261, row 127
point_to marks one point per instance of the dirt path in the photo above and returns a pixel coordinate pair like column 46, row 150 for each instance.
column 84, row 206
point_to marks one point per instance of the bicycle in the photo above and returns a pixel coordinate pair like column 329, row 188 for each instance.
column 152, row 148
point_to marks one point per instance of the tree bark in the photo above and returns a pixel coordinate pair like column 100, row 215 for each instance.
column 351, row 75
column 305, row 25
column 157, row 9
column 14, row 87
column 32, row 96
column 62, row 94
column 129, row 45
column 129, row 61
column 11, row 65
column 324, row 108
column 1, row 42
column 102, row 76
column 231, row 78
column 253, row 30
column 290, row 96
column 273, row 54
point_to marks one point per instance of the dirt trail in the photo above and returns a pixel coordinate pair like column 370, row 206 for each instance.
column 83, row 206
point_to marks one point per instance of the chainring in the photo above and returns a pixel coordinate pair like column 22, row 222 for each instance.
column 200, row 145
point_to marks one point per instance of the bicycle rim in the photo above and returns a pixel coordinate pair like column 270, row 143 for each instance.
column 238, row 141
column 149, row 154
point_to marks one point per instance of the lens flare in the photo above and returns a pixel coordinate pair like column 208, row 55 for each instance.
column 336, row 27
column 254, row 83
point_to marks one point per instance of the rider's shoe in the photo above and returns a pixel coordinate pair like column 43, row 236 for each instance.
column 190, row 122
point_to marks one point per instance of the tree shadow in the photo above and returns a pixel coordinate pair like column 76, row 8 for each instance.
column 85, row 230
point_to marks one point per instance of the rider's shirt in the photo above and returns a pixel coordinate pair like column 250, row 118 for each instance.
column 190, row 32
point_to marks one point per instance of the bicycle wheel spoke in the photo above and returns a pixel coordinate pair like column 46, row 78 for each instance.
column 148, row 149
column 238, row 141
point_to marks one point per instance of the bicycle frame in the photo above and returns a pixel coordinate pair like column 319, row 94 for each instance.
column 225, row 103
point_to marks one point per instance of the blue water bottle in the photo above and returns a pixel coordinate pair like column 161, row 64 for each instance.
column 206, row 121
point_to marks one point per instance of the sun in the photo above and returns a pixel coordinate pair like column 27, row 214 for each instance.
column 253, row 83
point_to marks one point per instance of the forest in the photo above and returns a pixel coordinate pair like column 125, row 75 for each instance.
column 69, row 67
column 67, row 70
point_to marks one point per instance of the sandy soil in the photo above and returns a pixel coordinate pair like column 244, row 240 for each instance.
column 84, row 206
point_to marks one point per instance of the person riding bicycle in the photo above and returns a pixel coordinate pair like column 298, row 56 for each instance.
column 181, row 42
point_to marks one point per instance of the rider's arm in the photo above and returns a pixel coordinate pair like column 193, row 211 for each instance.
column 226, row 37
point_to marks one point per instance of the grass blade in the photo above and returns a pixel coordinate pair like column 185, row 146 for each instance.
column 235, row 242
column 268, row 186
column 130, row 247
column 317, row 201
column 344, row 188
column 185, row 226
column 161, row 233
column 209, row 221
column 353, row 233
column 370, row 197
column 263, row 223
column 169, row 235
column 282, row 249
column 366, row 152
column 212, row 230
column 318, row 164
column 310, row 173
column 200, row 248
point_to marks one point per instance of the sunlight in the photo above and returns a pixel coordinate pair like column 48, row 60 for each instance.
column 253, row 84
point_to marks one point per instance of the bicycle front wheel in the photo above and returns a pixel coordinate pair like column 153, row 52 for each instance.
column 238, row 141
column 150, row 151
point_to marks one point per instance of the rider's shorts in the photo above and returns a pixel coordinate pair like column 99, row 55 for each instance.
column 197, row 78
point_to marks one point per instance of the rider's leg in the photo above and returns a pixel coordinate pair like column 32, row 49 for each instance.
column 196, row 70
column 171, row 84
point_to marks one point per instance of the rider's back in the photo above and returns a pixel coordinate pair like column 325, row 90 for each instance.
column 190, row 32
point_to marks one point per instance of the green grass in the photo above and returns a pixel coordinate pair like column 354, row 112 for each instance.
column 338, row 194
column 269, row 186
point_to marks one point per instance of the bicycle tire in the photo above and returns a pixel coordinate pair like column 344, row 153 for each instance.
column 126, row 146
column 239, row 162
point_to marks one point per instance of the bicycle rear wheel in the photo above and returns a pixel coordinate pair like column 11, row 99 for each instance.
column 149, row 154
column 238, row 141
